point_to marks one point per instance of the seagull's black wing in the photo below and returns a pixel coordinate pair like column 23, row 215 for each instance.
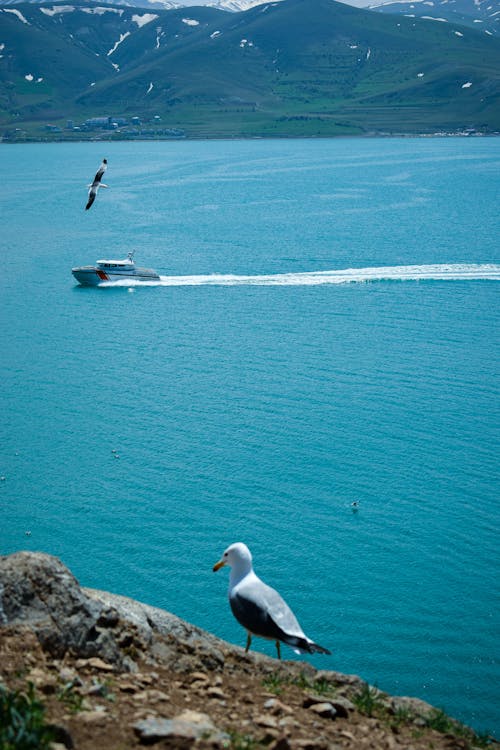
column 96, row 183
column 92, row 194
column 254, row 619
column 100, row 172
column 270, row 617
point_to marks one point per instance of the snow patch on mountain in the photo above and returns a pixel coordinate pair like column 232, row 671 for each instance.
column 56, row 9
column 391, row 2
column 238, row 5
column 144, row 19
column 18, row 14
column 117, row 44
column 165, row 4
column 99, row 11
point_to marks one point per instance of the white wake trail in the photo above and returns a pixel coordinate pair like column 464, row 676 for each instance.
column 436, row 272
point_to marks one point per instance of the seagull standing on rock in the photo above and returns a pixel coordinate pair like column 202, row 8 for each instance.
column 94, row 187
column 259, row 608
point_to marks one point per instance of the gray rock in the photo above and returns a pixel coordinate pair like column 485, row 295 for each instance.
column 149, row 619
column 264, row 720
column 39, row 591
column 412, row 706
column 342, row 706
column 277, row 707
column 310, row 700
column 325, row 710
column 189, row 726
column 337, row 679
column 3, row 616
column 96, row 716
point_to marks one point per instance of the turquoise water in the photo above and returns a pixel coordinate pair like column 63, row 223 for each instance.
column 259, row 403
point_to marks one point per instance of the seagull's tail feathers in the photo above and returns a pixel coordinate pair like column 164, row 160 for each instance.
column 304, row 645
column 315, row 648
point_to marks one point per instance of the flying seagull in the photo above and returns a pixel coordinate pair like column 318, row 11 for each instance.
column 96, row 184
column 259, row 608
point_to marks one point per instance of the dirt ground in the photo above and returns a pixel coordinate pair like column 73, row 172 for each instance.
column 241, row 706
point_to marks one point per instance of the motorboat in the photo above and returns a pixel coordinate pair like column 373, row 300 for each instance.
column 113, row 270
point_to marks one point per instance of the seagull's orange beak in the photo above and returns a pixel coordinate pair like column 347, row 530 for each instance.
column 218, row 565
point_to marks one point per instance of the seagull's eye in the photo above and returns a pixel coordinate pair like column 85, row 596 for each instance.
column 225, row 554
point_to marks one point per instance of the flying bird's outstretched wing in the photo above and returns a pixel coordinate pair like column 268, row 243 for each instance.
column 96, row 184
column 91, row 199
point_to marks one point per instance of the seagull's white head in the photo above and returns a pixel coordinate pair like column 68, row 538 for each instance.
column 238, row 557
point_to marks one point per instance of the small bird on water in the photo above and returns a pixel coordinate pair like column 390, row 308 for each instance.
column 259, row 608
column 96, row 184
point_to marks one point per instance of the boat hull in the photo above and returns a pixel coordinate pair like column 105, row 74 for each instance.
column 92, row 276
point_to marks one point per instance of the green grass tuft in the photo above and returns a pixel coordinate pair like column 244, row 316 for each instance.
column 72, row 699
column 242, row 742
column 275, row 683
column 368, row 701
column 440, row 722
column 22, row 721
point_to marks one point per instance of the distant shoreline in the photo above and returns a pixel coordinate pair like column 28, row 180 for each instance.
column 12, row 141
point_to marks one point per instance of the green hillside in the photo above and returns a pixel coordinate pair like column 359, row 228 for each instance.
column 298, row 67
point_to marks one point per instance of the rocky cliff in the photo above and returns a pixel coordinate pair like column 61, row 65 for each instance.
column 113, row 673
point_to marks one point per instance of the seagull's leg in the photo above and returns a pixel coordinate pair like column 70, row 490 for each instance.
column 278, row 649
column 249, row 640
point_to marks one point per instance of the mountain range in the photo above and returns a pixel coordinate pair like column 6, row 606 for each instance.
column 482, row 15
column 230, row 5
column 293, row 67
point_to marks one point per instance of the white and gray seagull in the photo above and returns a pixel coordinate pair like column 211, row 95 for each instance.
column 94, row 187
column 259, row 608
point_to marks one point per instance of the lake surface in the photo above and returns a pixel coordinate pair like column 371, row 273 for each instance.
column 264, row 385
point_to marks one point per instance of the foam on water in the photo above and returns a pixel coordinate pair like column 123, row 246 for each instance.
column 436, row 272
